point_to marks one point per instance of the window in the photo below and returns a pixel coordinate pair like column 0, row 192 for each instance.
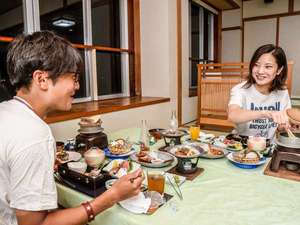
column 97, row 28
column 201, row 39
column 107, row 30
column 9, row 28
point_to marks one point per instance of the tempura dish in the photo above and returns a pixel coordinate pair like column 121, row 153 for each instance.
column 119, row 147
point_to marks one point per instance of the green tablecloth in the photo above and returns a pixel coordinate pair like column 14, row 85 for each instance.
column 222, row 195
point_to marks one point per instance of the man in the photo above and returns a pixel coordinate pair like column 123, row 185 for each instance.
column 43, row 68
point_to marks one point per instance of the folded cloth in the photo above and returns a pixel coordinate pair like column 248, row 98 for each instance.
column 137, row 204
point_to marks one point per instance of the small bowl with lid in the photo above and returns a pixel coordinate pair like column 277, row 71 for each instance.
column 94, row 157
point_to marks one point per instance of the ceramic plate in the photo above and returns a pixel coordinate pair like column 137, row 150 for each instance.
column 160, row 159
column 193, row 151
column 245, row 165
column 73, row 156
column 212, row 156
column 117, row 173
column 108, row 154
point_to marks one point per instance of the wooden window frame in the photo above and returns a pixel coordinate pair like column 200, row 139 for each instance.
column 134, row 49
column 216, row 38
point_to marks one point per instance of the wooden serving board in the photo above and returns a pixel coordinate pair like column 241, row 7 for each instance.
column 189, row 176
column 283, row 173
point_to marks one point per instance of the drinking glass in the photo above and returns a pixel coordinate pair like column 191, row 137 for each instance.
column 194, row 132
column 156, row 181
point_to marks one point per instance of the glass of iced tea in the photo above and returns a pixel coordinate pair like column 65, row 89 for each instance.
column 194, row 132
column 156, row 181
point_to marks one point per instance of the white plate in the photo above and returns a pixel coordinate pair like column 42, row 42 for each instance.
column 195, row 150
column 121, row 172
column 73, row 156
column 260, row 162
column 161, row 156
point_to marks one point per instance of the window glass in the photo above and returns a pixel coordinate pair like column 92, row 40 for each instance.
column 63, row 17
column 109, row 76
column 83, row 81
column 202, row 39
column 106, row 23
column 11, row 18
column 11, row 24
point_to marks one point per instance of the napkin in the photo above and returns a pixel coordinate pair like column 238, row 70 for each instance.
column 137, row 204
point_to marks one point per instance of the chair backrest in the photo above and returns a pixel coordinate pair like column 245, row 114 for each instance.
column 215, row 81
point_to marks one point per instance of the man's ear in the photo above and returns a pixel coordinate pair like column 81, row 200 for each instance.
column 279, row 71
column 40, row 78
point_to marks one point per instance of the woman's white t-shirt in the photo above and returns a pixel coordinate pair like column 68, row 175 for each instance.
column 251, row 99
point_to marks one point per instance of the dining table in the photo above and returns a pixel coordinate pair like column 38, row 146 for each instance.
column 222, row 194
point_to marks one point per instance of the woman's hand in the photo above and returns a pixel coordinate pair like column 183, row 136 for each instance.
column 279, row 117
column 128, row 186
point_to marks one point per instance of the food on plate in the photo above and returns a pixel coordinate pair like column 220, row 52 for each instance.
column 120, row 166
column 215, row 151
column 144, row 148
column 62, row 155
column 151, row 157
column 119, row 147
column 256, row 143
column 185, row 152
column 233, row 144
column 246, row 156
column 143, row 156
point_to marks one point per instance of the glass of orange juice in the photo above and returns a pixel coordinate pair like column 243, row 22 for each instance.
column 156, row 181
column 194, row 132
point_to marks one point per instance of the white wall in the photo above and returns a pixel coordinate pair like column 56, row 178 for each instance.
column 189, row 104
column 231, row 18
column 257, row 33
column 231, row 39
column 232, row 46
column 290, row 43
column 297, row 5
column 255, row 8
column 155, row 58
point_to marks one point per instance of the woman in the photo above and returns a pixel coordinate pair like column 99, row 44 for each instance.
column 258, row 105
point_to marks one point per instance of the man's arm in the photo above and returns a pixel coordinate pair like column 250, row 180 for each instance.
column 127, row 186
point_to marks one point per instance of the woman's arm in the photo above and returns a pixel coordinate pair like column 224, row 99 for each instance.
column 238, row 115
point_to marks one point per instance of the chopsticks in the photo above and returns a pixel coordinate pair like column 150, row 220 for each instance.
column 290, row 133
column 179, row 193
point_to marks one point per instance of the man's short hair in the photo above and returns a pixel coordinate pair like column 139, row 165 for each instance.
column 42, row 50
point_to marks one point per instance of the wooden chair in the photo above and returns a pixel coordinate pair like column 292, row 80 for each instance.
column 215, row 81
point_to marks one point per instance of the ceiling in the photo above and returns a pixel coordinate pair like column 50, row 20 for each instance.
column 222, row 4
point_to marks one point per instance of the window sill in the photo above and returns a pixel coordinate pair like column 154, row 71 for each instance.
column 103, row 106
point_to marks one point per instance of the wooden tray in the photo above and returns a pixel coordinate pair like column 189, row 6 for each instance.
column 283, row 173
column 188, row 176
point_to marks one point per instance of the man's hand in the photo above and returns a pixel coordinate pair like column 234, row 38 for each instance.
column 128, row 186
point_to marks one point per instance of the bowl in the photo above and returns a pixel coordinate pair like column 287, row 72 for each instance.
column 79, row 167
column 257, row 144
column 94, row 157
